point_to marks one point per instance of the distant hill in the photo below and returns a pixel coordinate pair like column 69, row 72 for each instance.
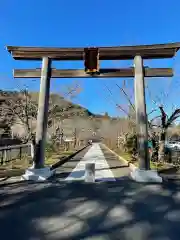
column 71, row 109
column 66, row 113
column 67, row 116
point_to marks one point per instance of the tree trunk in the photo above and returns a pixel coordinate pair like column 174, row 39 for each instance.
column 161, row 152
column 66, row 146
column 75, row 138
column 155, row 145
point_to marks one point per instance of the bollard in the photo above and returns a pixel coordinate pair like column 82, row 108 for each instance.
column 90, row 172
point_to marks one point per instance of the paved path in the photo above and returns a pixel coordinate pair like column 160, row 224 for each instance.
column 96, row 156
column 107, row 166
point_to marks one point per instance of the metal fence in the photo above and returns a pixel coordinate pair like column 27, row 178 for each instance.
column 15, row 152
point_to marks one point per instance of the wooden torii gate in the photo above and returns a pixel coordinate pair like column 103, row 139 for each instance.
column 138, row 71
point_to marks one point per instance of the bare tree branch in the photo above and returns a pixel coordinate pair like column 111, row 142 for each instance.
column 127, row 97
column 117, row 105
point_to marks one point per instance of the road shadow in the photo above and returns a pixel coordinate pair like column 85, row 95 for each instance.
column 170, row 170
column 77, row 210
column 59, row 175
column 172, row 173
column 63, row 175
column 116, row 167
column 99, row 169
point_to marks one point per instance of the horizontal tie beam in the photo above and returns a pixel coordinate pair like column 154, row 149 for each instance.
column 104, row 73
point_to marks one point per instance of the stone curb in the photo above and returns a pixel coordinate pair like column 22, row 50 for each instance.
column 131, row 166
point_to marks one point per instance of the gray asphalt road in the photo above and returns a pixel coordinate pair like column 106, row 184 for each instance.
column 116, row 210
column 122, row 210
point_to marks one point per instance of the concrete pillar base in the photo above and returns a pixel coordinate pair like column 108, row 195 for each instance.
column 40, row 174
column 145, row 176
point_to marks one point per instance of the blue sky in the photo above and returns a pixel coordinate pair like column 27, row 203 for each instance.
column 69, row 23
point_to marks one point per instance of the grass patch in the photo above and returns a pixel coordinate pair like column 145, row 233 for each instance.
column 125, row 155
column 18, row 167
column 122, row 154
column 153, row 165
column 16, row 164
column 11, row 173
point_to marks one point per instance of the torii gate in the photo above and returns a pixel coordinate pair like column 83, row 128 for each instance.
column 136, row 53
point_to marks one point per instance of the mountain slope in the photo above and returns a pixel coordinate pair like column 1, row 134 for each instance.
column 63, row 114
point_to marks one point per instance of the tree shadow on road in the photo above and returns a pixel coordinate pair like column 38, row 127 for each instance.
column 113, row 210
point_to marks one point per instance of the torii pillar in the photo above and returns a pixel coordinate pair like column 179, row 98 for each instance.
column 143, row 173
column 38, row 171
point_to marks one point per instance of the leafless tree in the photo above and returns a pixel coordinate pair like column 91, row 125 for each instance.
column 19, row 108
column 22, row 109
column 164, row 122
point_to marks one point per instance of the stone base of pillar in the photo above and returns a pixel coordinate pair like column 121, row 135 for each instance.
column 40, row 174
column 145, row 176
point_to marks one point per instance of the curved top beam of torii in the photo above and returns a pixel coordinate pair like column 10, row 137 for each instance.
column 154, row 51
